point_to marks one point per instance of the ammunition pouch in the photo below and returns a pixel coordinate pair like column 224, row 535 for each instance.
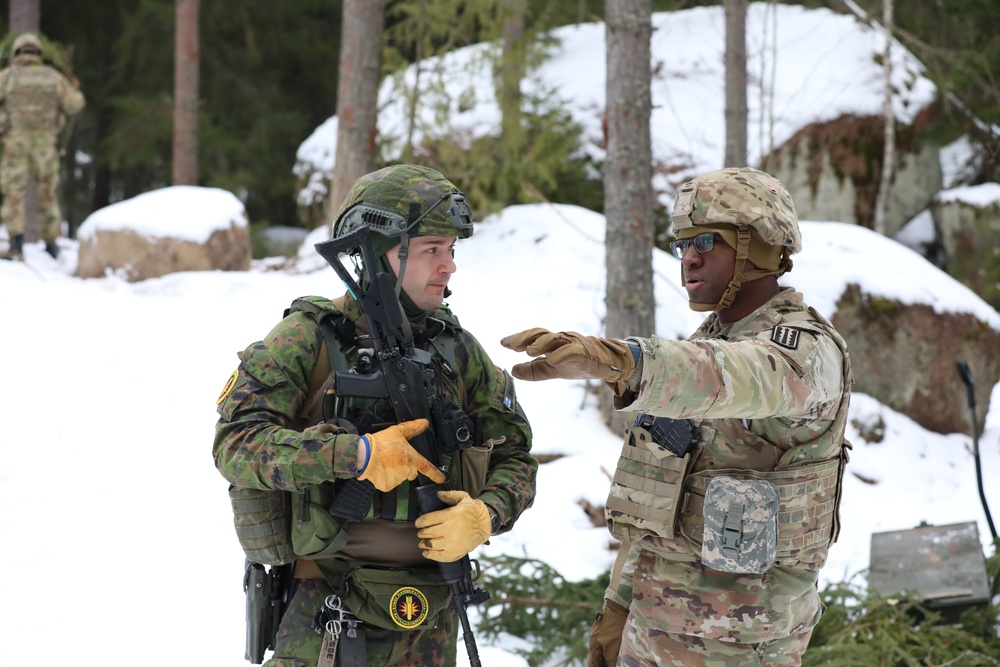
column 648, row 482
column 474, row 463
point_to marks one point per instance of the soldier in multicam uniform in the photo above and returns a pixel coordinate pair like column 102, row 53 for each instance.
column 726, row 494
column 35, row 99
column 273, row 434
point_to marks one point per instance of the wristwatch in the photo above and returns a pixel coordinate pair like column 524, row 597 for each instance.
column 495, row 522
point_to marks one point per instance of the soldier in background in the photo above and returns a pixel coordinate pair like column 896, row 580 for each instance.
column 727, row 490
column 35, row 100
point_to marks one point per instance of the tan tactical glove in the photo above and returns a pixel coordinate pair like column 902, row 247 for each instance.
column 391, row 459
column 606, row 635
column 447, row 535
column 570, row 355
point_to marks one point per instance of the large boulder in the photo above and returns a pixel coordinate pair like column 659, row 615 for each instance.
column 180, row 228
column 967, row 222
column 833, row 170
column 905, row 355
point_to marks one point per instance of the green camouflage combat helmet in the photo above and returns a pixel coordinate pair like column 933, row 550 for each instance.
column 402, row 201
column 399, row 202
column 753, row 213
column 26, row 40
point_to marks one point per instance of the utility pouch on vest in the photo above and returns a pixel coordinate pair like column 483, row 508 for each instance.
column 741, row 525
column 395, row 599
column 263, row 524
column 475, row 463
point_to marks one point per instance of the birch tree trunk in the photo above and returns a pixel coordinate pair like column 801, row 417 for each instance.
column 357, row 96
column 186, row 83
column 628, row 190
column 889, row 146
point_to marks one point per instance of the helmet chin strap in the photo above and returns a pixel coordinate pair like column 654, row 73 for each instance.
column 739, row 275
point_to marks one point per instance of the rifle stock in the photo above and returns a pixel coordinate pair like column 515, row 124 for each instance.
column 405, row 379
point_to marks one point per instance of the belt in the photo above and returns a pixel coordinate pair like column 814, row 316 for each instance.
column 307, row 569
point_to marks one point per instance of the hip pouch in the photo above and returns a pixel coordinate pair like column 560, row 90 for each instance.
column 395, row 599
column 741, row 525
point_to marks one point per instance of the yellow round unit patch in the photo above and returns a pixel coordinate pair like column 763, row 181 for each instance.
column 228, row 389
column 408, row 607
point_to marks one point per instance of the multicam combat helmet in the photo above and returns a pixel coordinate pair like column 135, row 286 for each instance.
column 753, row 213
column 28, row 40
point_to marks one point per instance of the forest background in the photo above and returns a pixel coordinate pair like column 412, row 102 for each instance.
column 269, row 76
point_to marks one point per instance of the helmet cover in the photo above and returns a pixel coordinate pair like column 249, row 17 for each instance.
column 738, row 197
column 405, row 199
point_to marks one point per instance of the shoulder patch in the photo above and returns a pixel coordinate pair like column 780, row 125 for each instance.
column 785, row 337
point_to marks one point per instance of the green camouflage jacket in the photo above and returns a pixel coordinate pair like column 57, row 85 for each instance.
column 271, row 435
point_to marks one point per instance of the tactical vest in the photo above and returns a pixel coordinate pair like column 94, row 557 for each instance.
column 32, row 99
column 276, row 527
column 655, row 493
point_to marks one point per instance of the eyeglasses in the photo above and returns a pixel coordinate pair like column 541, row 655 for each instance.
column 702, row 243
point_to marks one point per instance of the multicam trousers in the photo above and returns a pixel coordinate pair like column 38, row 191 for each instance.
column 23, row 154
column 653, row 649
column 299, row 644
column 688, row 615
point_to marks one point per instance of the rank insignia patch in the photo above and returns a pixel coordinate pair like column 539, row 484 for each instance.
column 408, row 607
column 785, row 337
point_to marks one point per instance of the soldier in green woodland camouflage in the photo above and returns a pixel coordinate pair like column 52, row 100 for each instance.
column 726, row 493
column 35, row 100
column 275, row 432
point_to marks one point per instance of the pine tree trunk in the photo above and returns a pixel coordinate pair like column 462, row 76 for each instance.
column 628, row 190
column 512, row 68
column 736, row 84
column 357, row 96
column 26, row 16
column 186, row 81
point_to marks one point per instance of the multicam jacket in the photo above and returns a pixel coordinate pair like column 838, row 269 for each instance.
column 768, row 398
column 271, row 432
column 35, row 98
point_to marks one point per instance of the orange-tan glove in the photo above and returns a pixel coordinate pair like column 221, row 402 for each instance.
column 606, row 635
column 448, row 534
column 390, row 458
column 570, row 355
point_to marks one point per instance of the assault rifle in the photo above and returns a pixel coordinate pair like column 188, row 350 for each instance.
column 405, row 378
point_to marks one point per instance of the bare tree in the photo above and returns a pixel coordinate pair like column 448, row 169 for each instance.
column 736, row 83
column 357, row 96
column 186, row 81
column 889, row 146
column 512, row 68
column 628, row 189
column 26, row 16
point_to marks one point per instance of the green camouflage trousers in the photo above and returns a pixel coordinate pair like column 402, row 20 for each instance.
column 688, row 615
column 298, row 644
column 24, row 154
